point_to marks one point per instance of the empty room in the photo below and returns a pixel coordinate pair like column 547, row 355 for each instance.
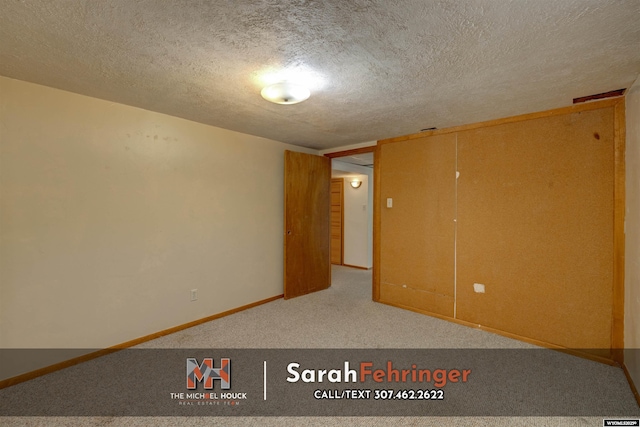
column 324, row 212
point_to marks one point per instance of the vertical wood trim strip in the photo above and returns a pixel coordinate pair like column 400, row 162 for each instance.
column 287, row 155
column 342, row 222
column 617, row 324
column 377, row 160
column 328, row 213
column 455, row 240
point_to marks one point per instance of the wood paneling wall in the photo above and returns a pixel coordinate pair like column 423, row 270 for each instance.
column 533, row 216
column 417, row 233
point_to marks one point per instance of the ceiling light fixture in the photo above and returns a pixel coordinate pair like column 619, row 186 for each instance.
column 285, row 93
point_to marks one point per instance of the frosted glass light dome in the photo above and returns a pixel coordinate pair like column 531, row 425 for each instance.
column 285, row 93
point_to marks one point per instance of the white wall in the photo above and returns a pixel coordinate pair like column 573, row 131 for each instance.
column 356, row 210
column 358, row 223
column 110, row 215
column 632, row 234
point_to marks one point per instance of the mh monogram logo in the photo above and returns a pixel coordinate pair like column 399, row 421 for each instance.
column 207, row 373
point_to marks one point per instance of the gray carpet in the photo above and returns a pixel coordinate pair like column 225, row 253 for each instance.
column 342, row 316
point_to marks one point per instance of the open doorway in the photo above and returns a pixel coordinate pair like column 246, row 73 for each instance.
column 354, row 170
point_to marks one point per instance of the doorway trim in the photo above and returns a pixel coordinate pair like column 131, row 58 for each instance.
column 353, row 152
column 375, row 149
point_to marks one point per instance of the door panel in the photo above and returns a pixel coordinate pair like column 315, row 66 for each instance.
column 307, row 266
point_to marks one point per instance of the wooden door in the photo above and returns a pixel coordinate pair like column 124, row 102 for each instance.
column 307, row 248
column 337, row 220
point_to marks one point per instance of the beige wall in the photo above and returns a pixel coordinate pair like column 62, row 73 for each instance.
column 632, row 235
column 110, row 215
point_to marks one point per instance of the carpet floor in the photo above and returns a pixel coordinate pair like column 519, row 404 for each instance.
column 343, row 316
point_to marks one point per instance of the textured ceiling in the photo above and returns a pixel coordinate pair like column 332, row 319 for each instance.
column 376, row 69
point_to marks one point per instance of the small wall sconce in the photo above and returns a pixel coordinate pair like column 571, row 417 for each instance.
column 356, row 183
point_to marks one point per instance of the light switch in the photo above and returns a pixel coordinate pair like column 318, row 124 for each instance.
column 389, row 202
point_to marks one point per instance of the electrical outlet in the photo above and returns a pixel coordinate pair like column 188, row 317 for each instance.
column 478, row 288
column 194, row 294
